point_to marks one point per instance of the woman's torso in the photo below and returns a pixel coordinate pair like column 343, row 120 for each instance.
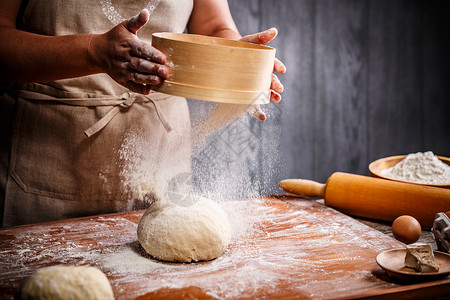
column 55, row 170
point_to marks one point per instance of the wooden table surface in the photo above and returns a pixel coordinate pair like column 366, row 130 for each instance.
column 282, row 247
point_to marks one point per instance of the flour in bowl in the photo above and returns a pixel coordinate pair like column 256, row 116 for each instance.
column 421, row 168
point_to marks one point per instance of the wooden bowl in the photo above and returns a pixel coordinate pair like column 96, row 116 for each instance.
column 381, row 164
column 393, row 262
column 215, row 69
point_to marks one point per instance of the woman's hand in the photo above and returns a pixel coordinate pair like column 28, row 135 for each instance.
column 129, row 61
column 276, row 88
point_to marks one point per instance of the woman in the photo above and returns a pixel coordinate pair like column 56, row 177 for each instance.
column 73, row 90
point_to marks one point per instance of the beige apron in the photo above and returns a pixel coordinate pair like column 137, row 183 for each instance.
column 87, row 145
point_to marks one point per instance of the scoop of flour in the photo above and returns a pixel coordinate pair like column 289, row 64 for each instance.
column 421, row 168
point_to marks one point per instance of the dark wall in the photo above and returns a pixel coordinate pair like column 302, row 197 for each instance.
column 366, row 79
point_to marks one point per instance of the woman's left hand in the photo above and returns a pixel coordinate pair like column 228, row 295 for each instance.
column 276, row 88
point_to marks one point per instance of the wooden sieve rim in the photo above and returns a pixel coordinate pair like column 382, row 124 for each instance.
column 228, row 43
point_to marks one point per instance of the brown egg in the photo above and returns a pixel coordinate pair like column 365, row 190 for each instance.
column 406, row 229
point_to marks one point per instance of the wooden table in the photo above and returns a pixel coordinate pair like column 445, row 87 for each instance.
column 283, row 247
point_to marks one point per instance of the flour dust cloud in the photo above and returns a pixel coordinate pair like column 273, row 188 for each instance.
column 234, row 155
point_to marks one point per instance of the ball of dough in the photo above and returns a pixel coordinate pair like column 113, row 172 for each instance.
column 67, row 282
column 177, row 233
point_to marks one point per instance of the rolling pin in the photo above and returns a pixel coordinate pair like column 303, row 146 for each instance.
column 374, row 198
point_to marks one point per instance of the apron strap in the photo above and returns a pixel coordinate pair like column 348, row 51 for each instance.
column 126, row 103
column 119, row 102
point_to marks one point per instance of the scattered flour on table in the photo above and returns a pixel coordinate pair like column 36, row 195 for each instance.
column 420, row 167
column 302, row 242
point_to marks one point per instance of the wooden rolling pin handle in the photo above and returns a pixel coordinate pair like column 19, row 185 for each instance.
column 303, row 187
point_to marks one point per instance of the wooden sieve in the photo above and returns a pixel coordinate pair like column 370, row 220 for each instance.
column 215, row 69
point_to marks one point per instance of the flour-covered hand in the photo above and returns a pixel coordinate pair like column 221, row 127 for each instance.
column 128, row 60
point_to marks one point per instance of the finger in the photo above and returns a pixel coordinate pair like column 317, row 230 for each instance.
column 147, row 51
column 138, row 88
column 279, row 67
column 136, row 22
column 257, row 112
column 145, row 79
column 261, row 38
column 276, row 84
column 142, row 65
column 275, row 97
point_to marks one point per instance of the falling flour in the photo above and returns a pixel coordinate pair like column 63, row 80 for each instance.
column 225, row 152
column 420, row 167
column 143, row 174
column 221, row 115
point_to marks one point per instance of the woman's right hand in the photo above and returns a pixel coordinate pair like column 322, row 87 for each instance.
column 129, row 61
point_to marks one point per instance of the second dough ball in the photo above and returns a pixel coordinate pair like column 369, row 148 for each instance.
column 67, row 282
column 198, row 232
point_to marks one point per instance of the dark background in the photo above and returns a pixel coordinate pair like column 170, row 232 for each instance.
column 366, row 79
